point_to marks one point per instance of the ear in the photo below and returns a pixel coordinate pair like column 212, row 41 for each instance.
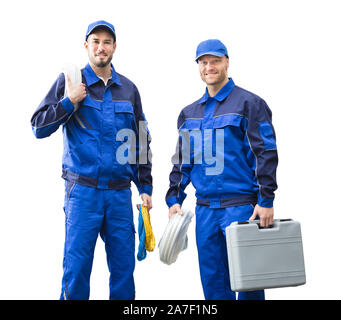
column 86, row 45
column 114, row 46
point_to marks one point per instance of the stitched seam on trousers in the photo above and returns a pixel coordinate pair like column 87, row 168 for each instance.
column 67, row 291
column 70, row 190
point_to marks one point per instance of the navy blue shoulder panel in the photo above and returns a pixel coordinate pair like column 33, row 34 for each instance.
column 126, row 83
column 125, row 92
column 244, row 103
column 239, row 101
column 193, row 111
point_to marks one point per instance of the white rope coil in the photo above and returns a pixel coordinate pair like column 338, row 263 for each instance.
column 75, row 75
column 174, row 239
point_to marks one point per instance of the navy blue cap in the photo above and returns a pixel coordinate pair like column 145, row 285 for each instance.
column 212, row 46
column 100, row 24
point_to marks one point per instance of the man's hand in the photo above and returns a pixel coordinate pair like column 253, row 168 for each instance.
column 147, row 201
column 266, row 215
column 75, row 92
column 174, row 209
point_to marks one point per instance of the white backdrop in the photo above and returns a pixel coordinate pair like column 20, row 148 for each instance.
column 288, row 52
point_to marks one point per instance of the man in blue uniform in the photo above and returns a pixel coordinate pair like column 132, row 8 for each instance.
column 227, row 149
column 97, row 172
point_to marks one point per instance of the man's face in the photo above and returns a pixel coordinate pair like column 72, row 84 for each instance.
column 101, row 47
column 213, row 70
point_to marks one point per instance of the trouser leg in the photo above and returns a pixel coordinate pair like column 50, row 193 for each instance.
column 118, row 233
column 212, row 256
column 83, row 219
column 212, row 251
column 240, row 213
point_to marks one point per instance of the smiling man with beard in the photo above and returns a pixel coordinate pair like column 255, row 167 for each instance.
column 244, row 187
column 97, row 183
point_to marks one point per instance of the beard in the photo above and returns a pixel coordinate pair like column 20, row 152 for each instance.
column 101, row 63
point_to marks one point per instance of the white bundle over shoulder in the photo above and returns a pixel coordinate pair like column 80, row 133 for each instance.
column 174, row 239
column 75, row 75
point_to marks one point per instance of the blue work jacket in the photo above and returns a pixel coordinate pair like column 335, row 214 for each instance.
column 90, row 133
column 235, row 128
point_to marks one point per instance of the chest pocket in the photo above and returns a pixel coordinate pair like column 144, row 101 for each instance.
column 232, row 120
column 88, row 115
column 124, row 115
column 191, row 137
column 89, row 102
column 234, row 125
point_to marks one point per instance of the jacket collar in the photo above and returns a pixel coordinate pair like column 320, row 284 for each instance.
column 91, row 77
column 222, row 94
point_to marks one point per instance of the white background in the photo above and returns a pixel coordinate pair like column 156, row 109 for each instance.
column 288, row 52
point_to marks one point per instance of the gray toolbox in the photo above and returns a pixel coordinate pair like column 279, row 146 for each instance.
column 261, row 258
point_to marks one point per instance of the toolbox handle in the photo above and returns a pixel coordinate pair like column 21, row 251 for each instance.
column 268, row 227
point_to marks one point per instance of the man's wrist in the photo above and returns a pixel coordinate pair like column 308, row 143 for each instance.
column 265, row 202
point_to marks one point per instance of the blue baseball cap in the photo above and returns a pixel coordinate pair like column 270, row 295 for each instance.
column 212, row 46
column 100, row 24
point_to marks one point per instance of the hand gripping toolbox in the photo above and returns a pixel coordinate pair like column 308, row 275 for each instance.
column 261, row 258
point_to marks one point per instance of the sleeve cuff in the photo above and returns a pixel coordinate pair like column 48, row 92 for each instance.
column 67, row 105
column 172, row 201
column 266, row 203
column 146, row 189
column 180, row 199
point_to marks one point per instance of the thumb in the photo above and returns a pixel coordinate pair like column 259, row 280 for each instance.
column 179, row 211
column 254, row 214
column 144, row 199
column 68, row 81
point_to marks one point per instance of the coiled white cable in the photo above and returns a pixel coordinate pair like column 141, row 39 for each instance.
column 174, row 239
column 75, row 75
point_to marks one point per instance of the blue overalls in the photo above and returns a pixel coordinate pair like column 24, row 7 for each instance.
column 236, row 125
column 97, row 180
